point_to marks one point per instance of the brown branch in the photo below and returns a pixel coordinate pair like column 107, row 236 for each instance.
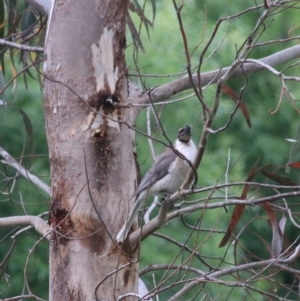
column 197, row 91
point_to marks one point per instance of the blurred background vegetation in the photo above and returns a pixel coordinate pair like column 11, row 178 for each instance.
column 24, row 138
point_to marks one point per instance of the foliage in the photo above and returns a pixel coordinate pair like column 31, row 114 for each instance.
column 22, row 135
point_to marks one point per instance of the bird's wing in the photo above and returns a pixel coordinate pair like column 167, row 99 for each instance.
column 158, row 170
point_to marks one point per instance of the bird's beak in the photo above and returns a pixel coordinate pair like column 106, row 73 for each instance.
column 184, row 134
column 187, row 129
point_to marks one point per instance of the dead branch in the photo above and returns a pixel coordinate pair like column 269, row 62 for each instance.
column 37, row 222
column 9, row 160
column 168, row 90
column 22, row 47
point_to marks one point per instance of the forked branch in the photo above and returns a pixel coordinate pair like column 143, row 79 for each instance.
column 37, row 222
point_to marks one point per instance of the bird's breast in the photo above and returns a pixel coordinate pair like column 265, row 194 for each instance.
column 177, row 170
column 174, row 179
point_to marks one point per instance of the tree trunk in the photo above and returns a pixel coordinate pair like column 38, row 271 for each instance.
column 93, row 170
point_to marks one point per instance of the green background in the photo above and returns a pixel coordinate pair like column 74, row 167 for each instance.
column 164, row 55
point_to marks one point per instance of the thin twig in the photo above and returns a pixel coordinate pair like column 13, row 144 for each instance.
column 22, row 47
column 9, row 160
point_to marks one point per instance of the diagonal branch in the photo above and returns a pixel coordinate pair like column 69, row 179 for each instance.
column 164, row 216
column 9, row 160
column 168, row 90
column 20, row 46
column 241, row 267
column 17, row 298
column 37, row 222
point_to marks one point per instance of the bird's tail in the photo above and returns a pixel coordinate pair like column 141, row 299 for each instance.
column 123, row 233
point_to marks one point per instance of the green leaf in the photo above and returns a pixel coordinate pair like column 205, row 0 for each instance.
column 2, row 19
column 2, row 33
column 153, row 2
column 29, row 132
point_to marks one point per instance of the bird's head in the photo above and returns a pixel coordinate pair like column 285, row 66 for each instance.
column 184, row 134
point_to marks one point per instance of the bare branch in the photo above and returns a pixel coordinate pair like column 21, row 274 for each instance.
column 124, row 297
column 170, row 89
column 153, row 225
column 130, row 105
column 291, row 215
column 22, row 47
column 272, row 70
column 9, row 160
column 188, row 60
column 164, row 217
column 155, row 267
column 17, row 298
column 37, row 222
column 150, row 134
column 241, row 267
column 182, row 246
column 254, row 202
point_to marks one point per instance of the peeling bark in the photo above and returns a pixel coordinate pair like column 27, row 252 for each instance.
column 93, row 170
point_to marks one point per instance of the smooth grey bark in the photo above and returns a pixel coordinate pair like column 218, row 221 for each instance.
column 93, row 170
column 170, row 89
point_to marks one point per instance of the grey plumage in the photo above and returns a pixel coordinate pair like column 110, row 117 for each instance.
column 158, row 170
column 165, row 176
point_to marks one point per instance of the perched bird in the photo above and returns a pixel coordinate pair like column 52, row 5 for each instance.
column 164, row 177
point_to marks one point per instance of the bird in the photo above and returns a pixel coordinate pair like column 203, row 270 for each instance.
column 164, row 177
